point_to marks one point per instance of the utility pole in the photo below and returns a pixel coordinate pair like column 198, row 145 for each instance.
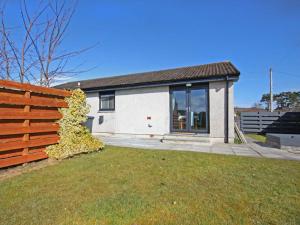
column 271, row 92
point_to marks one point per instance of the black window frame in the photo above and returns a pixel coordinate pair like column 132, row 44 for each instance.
column 188, row 89
column 107, row 93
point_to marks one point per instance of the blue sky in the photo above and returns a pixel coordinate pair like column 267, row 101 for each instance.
column 137, row 36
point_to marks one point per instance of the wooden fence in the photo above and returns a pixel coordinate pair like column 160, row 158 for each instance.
column 270, row 122
column 28, row 116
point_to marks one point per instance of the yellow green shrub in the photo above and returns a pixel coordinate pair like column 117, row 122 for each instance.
column 75, row 138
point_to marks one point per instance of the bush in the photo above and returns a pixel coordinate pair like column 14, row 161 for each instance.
column 75, row 138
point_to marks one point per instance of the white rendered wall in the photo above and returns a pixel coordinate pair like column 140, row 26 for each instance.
column 217, row 104
column 132, row 107
column 108, row 124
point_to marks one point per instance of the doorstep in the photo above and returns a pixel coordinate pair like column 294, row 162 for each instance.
column 187, row 138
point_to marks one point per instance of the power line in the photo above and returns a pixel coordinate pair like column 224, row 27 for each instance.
column 289, row 74
column 258, row 75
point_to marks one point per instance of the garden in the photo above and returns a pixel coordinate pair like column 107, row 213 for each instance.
column 135, row 186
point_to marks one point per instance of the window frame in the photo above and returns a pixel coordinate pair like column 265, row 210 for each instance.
column 204, row 86
column 112, row 93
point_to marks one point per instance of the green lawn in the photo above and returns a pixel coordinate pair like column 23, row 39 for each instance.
column 257, row 137
column 129, row 186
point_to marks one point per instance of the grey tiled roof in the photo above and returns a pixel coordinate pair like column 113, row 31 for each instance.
column 213, row 70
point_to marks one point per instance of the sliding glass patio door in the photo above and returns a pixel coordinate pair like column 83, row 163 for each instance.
column 189, row 109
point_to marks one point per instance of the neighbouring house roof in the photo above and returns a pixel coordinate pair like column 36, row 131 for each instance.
column 199, row 72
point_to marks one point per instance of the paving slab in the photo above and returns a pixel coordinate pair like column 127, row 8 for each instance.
column 223, row 152
column 251, row 149
column 250, row 154
column 270, row 152
column 241, row 148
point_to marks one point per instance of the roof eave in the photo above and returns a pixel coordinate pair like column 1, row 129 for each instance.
column 233, row 78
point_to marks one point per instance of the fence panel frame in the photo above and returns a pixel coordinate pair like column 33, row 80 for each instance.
column 270, row 122
column 31, row 141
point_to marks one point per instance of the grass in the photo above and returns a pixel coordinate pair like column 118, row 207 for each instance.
column 130, row 186
column 237, row 141
column 257, row 137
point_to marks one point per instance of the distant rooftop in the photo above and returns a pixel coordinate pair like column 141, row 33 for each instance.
column 198, row 72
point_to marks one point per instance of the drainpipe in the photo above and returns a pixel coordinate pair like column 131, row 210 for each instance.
column 226, row 110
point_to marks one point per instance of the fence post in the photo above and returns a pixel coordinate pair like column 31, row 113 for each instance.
column 260, row 122
column 26, row 124
column 280, row 115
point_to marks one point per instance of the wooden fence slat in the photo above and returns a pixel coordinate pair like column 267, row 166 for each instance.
column 27, row 144
column 256, row 122
column 250, row 118
column 40, row 149
column 22, row 159
column 42, row 135
column 14, row 100
column 28, row 115
column 33, row 88
column 271, row 122
column 22, row 130
column 10, row 114
column 10, row 154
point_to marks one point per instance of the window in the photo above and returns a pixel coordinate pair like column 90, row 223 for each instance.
column 107, row 101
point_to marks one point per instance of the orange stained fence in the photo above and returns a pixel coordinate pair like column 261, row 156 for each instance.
column 28, row 121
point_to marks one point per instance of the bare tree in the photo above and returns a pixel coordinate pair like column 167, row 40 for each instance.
column 17, row 57
column 7, row 60
column 40, row 57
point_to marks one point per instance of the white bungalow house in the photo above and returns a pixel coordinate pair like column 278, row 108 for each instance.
column 194, row 101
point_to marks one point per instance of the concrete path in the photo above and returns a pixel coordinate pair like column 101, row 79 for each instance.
column 251, row 149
